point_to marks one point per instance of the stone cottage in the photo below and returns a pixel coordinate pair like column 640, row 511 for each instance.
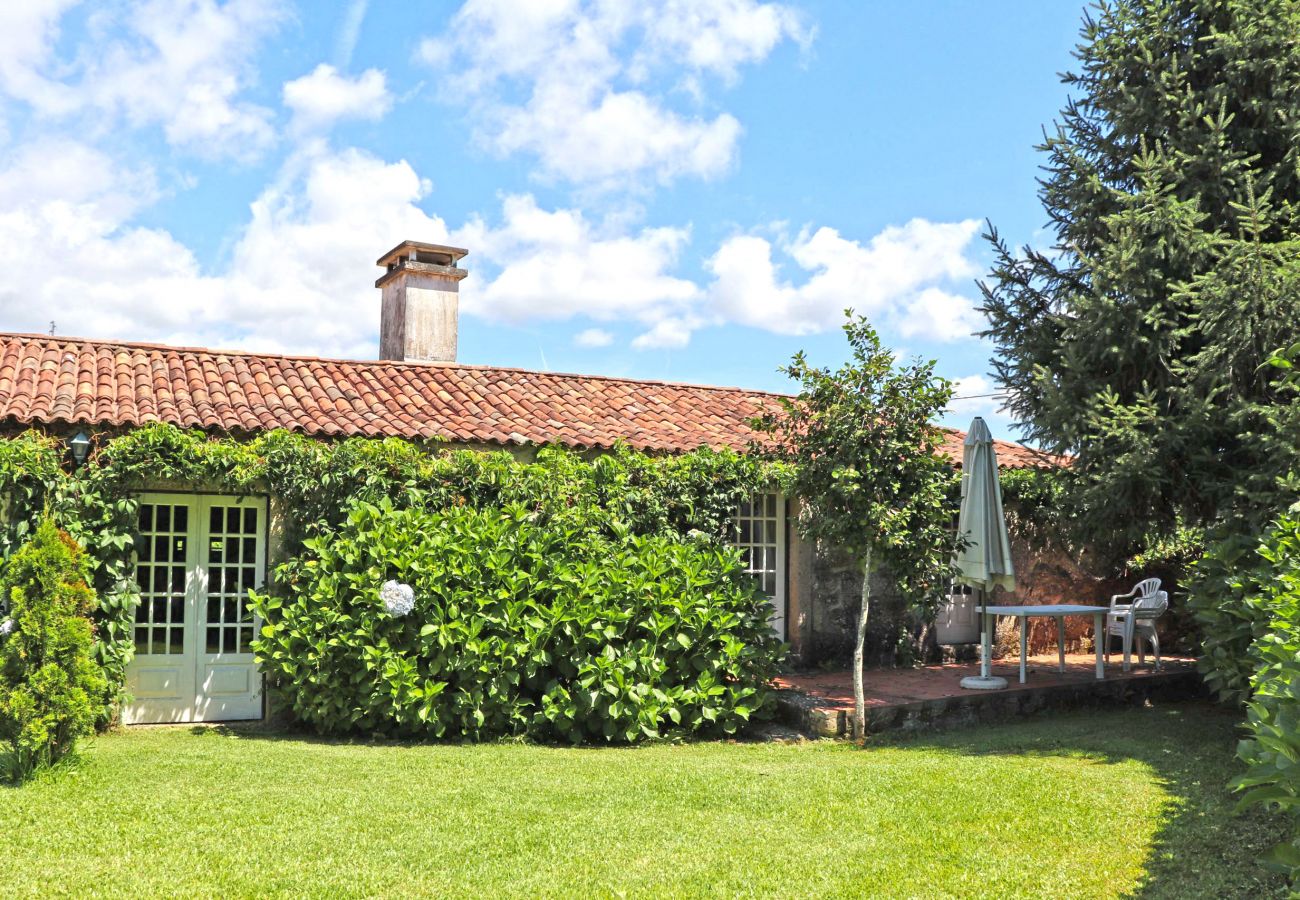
column 201, row 552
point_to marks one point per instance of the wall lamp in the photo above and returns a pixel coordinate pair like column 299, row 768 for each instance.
column 79, row 444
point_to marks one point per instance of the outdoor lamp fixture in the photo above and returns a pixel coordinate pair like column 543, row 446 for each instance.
column 79, row 444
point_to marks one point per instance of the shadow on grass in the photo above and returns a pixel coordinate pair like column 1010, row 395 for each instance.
column 1201, row 848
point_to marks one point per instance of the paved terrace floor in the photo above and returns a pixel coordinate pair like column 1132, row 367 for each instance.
column 821, row 702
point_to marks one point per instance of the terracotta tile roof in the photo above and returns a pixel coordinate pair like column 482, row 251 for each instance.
column 49, row 380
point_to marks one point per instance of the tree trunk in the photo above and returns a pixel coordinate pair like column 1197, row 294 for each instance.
column 859, row 694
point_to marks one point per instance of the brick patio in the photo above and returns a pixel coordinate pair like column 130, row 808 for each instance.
column 821, row 703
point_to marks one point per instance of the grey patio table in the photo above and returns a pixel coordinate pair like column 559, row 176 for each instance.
column 1056, row 611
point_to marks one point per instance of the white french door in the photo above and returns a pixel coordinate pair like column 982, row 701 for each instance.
column 759, row 532
column 197, row 557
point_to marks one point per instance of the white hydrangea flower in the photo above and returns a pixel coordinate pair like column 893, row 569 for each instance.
column 399, row 599
column 7, row 626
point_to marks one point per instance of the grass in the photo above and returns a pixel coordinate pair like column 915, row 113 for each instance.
column 1098, row 804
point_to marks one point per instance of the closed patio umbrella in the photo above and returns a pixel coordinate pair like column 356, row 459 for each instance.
column 985, row 563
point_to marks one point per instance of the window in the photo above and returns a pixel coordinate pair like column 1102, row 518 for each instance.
column 759, row 533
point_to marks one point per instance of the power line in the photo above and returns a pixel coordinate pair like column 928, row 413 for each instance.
column 980, row 396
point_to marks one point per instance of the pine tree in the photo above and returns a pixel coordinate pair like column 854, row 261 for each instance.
column 1138, row 342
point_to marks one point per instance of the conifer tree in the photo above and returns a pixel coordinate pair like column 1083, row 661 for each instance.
column 1138, row 341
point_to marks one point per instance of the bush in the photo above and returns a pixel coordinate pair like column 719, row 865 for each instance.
column 1272, row 752
column 50, row 687
column 1230, row 592
column 517, row 629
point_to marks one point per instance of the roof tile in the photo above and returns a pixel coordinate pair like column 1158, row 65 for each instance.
column 50, row 380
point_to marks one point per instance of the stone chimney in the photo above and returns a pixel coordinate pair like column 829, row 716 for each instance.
column 421, row 296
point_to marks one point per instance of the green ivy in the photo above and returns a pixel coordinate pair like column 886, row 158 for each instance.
column 615, row 494
column 1036, row 506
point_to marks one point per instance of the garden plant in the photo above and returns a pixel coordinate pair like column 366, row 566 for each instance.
column 864, row 456
column 647, row 514
column 50, row 687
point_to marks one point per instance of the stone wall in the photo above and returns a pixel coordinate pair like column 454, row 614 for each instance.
column 836, row 594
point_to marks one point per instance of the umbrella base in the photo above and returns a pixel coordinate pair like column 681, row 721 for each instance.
column 983, row 683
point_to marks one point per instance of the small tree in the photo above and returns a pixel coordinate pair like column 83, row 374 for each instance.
column 868, row 472
column 49, row 684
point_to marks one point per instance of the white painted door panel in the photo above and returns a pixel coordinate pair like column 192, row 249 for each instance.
column 197, row 556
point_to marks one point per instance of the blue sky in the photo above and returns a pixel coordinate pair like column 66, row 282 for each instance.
column 690, row 190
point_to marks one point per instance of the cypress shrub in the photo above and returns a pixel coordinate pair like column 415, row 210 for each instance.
column 50, row 686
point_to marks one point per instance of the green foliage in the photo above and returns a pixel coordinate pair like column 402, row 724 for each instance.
column 552, row 631
column 1270, row 591
column 1036, row 506
column 865, row 462
column 1235, row 579
column 622, row 492
column 30, row 469
column 50, row 686
column 1136, row 342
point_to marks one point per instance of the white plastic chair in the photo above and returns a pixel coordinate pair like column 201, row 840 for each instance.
column 1136, row 619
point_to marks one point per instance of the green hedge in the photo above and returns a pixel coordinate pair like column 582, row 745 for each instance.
column 1271, row 591
column 50, row 687
column 517, row 629
column 619, row 492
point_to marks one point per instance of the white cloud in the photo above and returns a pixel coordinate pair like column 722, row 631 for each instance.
column 28, row 29
column 721, row 36
column 182, row 65
column 297, row 279
column 977, row 395
column 324, row 96
column 583, row 85
column 350, row 32
column 940, row 315
column 582, row 139
column 668, row 334
column 891, row 278
column 298, row 274
column 593, row 337
column 558, row 265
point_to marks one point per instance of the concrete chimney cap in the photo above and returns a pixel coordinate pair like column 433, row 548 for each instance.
column 417, row 251
column 414, row 257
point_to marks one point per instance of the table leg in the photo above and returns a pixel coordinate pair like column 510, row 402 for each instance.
column 1060, row 642
column 1097, row 628
column 986, row 645
column 1024, row 644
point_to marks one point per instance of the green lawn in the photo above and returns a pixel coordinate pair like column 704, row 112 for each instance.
column 1101, row 804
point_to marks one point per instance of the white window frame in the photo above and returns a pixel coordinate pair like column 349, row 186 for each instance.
column 195, row 685
column 754, row 526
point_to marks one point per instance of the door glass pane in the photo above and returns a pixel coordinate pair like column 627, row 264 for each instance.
column 160, row 574
column 232, row 573
column 757, row 536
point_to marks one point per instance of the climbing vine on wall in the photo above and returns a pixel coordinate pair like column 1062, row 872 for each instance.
column 619, row 493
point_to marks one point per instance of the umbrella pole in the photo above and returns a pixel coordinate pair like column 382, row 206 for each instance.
column 986, row 651
column 985, row 680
